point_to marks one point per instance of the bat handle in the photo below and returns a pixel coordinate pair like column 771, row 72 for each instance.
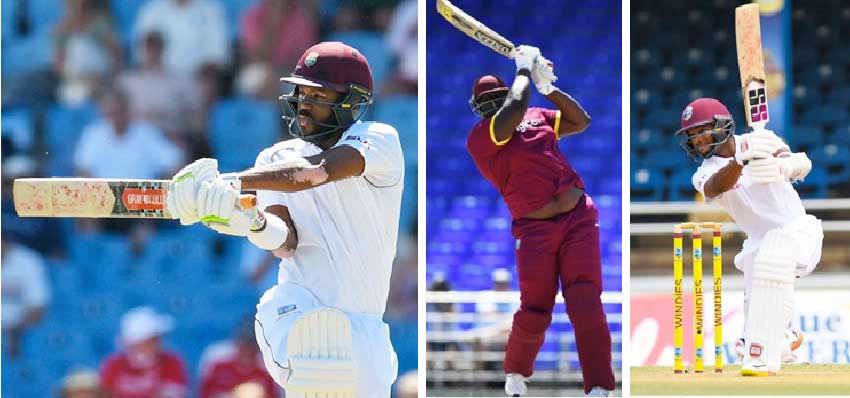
column 247, row 201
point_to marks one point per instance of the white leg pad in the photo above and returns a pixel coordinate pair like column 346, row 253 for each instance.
column 773, row 277
column 319, row 348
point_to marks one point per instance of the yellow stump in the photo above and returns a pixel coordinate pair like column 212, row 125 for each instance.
column 677, row 299
column 698, row 310
column 717, row 259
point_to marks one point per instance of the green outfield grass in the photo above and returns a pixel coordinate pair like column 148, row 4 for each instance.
column 799, row 379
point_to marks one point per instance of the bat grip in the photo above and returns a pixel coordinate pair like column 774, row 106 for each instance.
column 247, row 201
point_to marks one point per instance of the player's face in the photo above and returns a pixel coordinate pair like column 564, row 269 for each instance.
column 701, row 139
column 311, row 112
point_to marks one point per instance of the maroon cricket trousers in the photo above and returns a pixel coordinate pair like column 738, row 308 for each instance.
column 563, row 248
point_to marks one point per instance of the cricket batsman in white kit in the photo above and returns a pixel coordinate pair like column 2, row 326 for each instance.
column 328, row 204
column 750, row 176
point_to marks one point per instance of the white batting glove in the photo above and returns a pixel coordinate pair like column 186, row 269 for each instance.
column 543, row 76
column 183, row 189
column 765, row 170
column 795, row 166
column 525, row 57
column 757, row 145
column 218, row 206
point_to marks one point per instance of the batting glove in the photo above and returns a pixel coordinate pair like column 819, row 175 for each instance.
column 525, row 57
column 765, row 170
column 218, row 205
column 543, row 76
column 757, row 145
column 183, row 189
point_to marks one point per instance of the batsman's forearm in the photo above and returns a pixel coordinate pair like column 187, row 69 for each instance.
column 283, row 178
column 574, row 119
column 516, row 104
column 723, row 180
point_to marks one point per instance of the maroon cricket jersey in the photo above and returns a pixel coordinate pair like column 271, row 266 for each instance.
column 528, row 169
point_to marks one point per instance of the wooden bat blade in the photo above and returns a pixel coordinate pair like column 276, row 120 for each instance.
column 751, row 64
column 475, row 29
column 95, row 198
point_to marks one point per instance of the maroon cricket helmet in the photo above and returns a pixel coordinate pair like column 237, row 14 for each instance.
column 702, row 112
column 488, row 95
column 335, row 66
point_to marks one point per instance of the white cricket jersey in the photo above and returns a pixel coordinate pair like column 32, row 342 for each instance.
column 756, row 208
column 347, row 229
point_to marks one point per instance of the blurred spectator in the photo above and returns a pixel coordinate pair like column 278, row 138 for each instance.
column 501, row 279
column 407, row 385
column 258, row 81
column 157, row 96
column 117, row 146
column 88, row 51
column 274, row 34
column 347, row 19
column 81, row 383
column 494, row 318
column 277, row 32
column 144, row 368
column 443, row 322
column 227, row 365
column 195, row 32
column 208, row 82
column 401, row 41
column 25, row 290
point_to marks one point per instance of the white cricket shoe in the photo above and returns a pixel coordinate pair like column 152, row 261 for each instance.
column 793, row 341
column 515, row 385
column 598, row 392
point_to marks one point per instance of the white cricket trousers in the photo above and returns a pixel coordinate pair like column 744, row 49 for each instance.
column 373, row 354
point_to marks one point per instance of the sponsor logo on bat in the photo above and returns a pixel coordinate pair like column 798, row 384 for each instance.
column 143, row 199
column 492, row 42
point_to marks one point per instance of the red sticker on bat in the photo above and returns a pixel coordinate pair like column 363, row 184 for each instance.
column 143, row 199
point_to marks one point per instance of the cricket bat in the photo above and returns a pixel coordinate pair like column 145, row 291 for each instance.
column 751, row 65
column 475, row 29
column 96, row 198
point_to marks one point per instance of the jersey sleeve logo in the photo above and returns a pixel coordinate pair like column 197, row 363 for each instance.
column 526, row 124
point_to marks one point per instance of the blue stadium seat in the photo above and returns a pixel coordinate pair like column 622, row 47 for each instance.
column 235, row 10
column 401, row 112
column 62, row 128
column 27, row 54
column 125, row 13
column 45, row 14
column 647, row 184
column 240, row 129
column 680, row 186
column 8, row 13
column 835, row 160
column 806, row 138
column 18, row 125
column 815, row 185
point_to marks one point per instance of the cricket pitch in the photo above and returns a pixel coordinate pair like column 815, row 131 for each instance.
column 797, row 379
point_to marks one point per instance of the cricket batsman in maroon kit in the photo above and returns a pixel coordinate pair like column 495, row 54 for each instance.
column 555, row 223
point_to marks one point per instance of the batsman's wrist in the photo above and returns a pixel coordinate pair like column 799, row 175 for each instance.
column 272, row 235
column 546, row 89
